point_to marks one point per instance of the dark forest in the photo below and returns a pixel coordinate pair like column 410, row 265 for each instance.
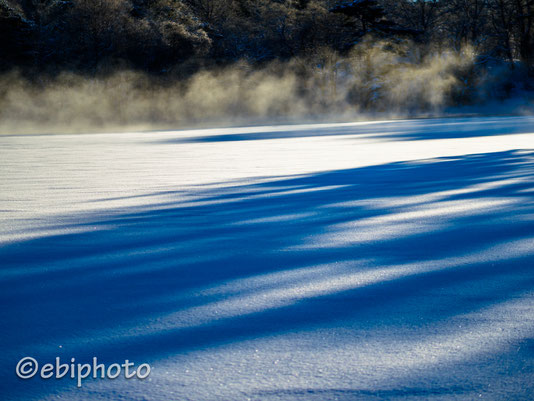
column 331, row 57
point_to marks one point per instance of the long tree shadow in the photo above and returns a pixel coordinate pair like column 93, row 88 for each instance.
column 354, row 247
column 400, row 130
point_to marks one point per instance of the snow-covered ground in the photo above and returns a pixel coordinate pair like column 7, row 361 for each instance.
column 366, row 261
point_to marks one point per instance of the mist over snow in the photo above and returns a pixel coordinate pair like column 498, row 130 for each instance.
column 275, row 200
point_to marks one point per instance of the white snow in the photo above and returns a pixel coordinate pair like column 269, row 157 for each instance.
column 383, row 260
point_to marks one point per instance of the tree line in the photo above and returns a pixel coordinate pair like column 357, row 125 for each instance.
column 159, row 35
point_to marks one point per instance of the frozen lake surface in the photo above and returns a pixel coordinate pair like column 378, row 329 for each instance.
column 368, row 261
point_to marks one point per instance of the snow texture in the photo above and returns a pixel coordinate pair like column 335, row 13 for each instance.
column 365, row 261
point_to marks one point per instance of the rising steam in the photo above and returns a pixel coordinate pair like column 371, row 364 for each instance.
column 387, row 78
